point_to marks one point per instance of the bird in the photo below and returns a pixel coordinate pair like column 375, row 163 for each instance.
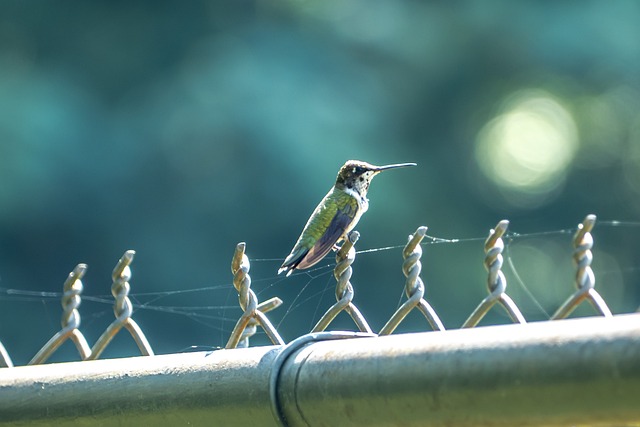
column 335, row 216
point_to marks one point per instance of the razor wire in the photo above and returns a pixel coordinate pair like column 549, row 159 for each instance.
column 254, row 313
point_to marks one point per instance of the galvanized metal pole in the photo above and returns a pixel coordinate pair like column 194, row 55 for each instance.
column 560, row 373
column 224, row 387
column 566, row 372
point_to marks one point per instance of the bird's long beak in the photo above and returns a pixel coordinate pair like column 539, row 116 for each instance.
column 398, row 165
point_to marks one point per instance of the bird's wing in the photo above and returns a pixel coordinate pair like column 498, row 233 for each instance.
column 334, row 232
column 301, row 256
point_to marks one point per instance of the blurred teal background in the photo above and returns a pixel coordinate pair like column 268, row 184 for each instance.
column 180, row 129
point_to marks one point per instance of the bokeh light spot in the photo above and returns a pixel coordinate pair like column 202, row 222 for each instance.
column 527, row 149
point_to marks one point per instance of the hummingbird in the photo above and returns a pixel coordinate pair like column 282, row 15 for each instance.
column 336, row 214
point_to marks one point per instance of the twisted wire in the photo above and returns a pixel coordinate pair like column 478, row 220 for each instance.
column 120, row 287
column 496, row 281
column 241, row 280
column 122, row 309
column 344, row 290
column 343, row 270
column 414, row 286
column 253, row 313
column 246, row 297
column 582, row 255
column 412, row 266
column 585, row 280
column 493, row 247
column 71, row 298
column 70, row 321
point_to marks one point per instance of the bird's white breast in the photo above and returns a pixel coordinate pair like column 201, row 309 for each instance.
column 363, row 202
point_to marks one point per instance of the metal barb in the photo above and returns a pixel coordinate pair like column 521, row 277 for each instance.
column 123, row 310
column 70, row 320
column 344, row 290
column 585, row 279
column 414, row 287
column 253, row 312
column 496, row 282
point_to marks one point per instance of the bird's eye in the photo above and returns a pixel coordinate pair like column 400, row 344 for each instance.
column 354, row 170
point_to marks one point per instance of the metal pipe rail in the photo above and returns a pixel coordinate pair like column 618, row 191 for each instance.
column 566, row 372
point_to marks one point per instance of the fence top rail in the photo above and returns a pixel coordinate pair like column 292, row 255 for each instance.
column 552, row 373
